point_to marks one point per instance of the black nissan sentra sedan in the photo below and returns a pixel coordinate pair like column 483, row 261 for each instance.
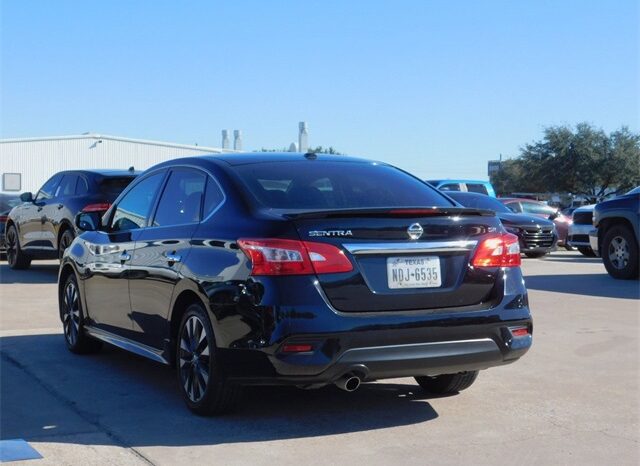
column 297, row 269
column 537, row 235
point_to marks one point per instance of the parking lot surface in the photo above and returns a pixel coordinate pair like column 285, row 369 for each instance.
column 573, row 399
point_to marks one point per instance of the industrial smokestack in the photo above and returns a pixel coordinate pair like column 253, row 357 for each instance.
column 225, row 138
column 293, row 147
column 237, row 139
column 303, row 137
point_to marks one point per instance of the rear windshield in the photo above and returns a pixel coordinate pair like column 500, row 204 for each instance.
column 480, row 201
column 326, row 185
column 112, row 186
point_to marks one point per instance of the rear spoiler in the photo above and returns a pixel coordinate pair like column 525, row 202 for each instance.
column 388, row 212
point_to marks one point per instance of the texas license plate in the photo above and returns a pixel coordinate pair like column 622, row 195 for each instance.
column 413, row 272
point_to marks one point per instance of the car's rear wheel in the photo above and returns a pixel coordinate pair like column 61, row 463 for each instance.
column 15, row 257
column 65, row 241
column 534, row 255
column 586, row 251
column 203, row 384
column 620, row 252
column 447, row 383
column 73, row 320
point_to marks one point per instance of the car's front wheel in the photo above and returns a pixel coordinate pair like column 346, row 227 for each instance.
column 447, row 383
column 620, row 252
column 203, row 384
column 73, row 320
column 16, row 258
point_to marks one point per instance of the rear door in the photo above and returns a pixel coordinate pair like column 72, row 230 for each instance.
column 54, row 210
column 32, row 216
column 160, row 252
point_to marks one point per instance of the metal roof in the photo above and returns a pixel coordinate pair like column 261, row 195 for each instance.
column 117, row 138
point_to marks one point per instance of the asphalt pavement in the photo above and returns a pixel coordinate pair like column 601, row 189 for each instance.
column 573, row 399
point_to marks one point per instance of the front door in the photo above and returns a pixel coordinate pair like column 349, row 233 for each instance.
column 107, row 277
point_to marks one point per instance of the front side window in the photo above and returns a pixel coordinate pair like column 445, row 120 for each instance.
column 133, row 210
column 181, row 199
column 335, row 185
column 49, row 188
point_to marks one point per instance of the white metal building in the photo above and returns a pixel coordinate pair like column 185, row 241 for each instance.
column 25, row 164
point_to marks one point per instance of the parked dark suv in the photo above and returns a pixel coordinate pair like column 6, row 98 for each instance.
column 43, row 227
column 295, row 269
column 617, row 234
column 537, row 236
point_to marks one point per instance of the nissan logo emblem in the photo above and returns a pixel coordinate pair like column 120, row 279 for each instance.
column 415, row 231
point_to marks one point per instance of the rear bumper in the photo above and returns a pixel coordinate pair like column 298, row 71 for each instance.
column 379, row 345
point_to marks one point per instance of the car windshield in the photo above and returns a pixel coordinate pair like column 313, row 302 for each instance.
column 480, row 201
column 322, row 185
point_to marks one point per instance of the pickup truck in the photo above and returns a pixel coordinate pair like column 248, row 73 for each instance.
column 616, row 235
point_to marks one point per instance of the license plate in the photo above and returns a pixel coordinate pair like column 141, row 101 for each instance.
column 413, row 272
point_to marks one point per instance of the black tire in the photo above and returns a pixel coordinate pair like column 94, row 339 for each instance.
column 534, row 255
column 586, row 251
column 203, row 385
column 72, row 317
column 448, row 383
column 65, row 241
column 16, row 259
column 620, row 252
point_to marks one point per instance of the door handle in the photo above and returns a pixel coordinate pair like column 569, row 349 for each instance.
column 125, row 256
column 172, row 258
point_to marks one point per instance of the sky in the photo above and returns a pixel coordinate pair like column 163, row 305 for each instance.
column 435, row 87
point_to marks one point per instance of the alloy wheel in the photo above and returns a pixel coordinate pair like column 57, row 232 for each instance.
column 65, row 242
column 619, row 253
column 194, row 359
column 71, row 316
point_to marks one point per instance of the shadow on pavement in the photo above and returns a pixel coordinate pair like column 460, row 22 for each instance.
column 37, row 273
column 43, row 385
column 601, row 285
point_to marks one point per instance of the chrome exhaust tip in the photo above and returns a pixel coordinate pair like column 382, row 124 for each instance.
column 348, row 383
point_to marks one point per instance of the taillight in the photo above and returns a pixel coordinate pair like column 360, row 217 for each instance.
column 100, row 207
column 291, row 257
column 3, row 218
column 500, row 250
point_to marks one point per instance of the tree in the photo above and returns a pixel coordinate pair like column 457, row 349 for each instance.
column 581, row 161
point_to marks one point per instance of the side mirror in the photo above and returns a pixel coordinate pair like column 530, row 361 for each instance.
column 26, row 197
column 88, row 221
column 554, row 215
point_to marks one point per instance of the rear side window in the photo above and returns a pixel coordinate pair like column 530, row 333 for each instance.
column 450, row 187
column 67, row 187
column 82, row 187
column 181, row 199
column 133, row 210
column 318, row 185
column 111, row 187
column 213, row 197
column 477, row 188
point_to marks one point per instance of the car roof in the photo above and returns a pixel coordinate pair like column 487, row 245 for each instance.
column 274, row 157
column 458, row 181
column 104, row 172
